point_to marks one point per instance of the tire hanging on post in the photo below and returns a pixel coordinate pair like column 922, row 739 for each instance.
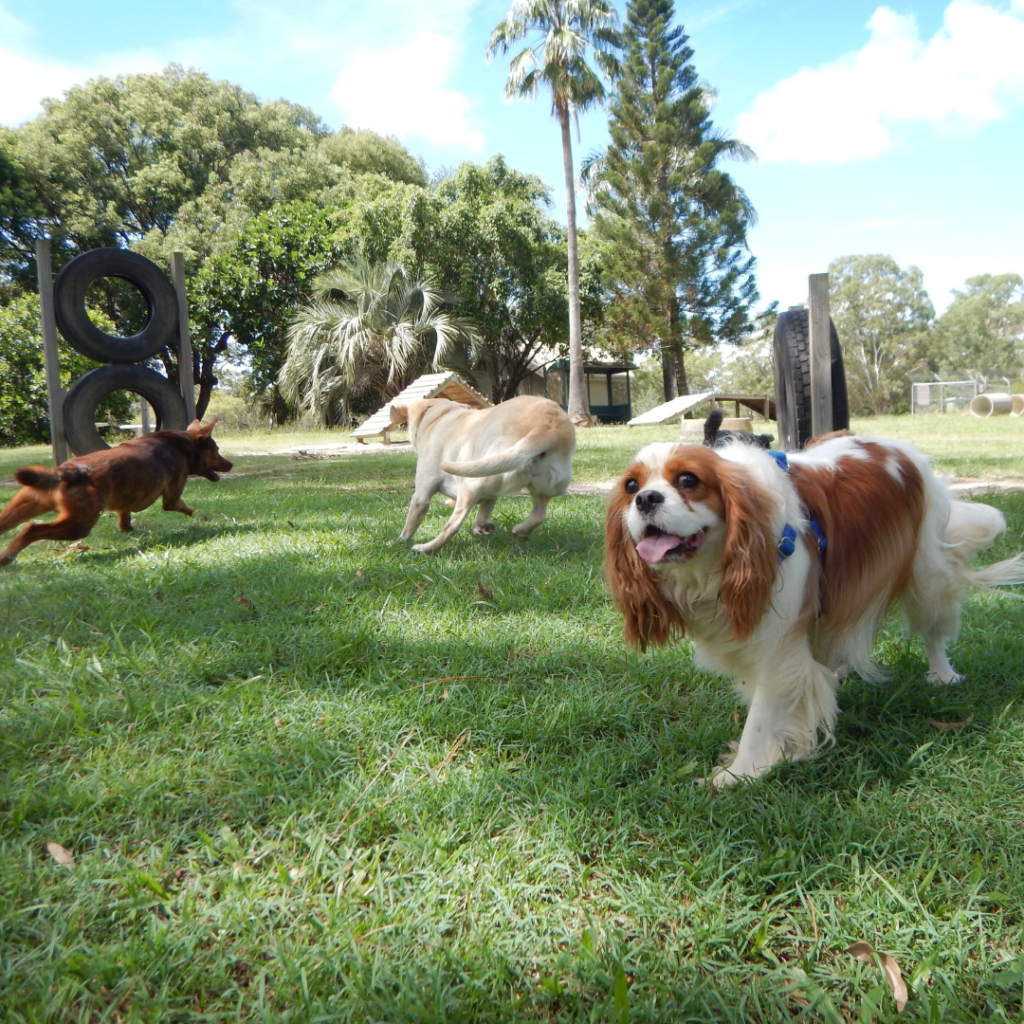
column 792, row 345
column 69, row 291
column 91, row 388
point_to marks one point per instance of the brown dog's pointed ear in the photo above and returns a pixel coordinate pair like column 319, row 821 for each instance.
column 198, row 430
column 649, row 617
column 399, row 414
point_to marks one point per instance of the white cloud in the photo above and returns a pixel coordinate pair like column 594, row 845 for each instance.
column 969, row 73
column 403, row 87
column 26, row 80
column 404, row 91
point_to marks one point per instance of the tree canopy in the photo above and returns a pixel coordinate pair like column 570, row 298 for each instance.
column 882, row 314
column 982, row 331
column 673, row 224
column 178, row 161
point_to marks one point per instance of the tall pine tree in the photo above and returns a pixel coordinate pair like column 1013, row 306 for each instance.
column 673, row 225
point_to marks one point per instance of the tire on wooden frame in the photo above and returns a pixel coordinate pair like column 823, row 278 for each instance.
column 69, row 292
column 792, row 345
column 91, row 388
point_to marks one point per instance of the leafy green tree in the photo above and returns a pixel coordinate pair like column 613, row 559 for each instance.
column 883, row 316
column 24, row 415
column 674, row 224
column 568, row 31
column 116, row 158
column 370, row 327
column 483, row 235
column 503, row 258
column 366, row 152
column 18, row 210
column 248, row 292
column 983, row 329
column 173, row 162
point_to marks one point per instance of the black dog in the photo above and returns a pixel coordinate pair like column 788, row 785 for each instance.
column 714, row 436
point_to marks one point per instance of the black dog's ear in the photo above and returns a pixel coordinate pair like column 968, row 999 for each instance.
column 711, row 427
column 764, row 440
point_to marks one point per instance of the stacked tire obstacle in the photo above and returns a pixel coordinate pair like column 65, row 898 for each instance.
column 123, row 355
column 792, row 344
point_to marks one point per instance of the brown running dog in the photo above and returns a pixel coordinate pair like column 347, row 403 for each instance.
column 124, row 480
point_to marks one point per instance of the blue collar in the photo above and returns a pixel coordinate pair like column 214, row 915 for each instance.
column 787, row 542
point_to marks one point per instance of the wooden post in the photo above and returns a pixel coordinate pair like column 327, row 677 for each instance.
column 54, row 392
column 147, row 427
column 820, row 345
column 185, row 381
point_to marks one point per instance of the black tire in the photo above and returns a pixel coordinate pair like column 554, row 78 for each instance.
column 91, row 388
column 160, row 328
column 793, row 380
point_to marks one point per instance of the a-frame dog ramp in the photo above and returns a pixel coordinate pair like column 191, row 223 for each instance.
column 430, row 385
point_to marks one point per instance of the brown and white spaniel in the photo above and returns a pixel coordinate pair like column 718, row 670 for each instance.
column 781, row 574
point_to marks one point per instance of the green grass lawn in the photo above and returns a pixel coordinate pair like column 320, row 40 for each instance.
column 307, row 776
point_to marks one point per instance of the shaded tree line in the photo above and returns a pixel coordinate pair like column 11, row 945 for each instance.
column 889, row 332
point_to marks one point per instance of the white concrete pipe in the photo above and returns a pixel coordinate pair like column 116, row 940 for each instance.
column 996, row 404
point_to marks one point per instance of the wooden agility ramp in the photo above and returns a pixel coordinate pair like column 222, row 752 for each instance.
column 678, row 407
column 430, row 385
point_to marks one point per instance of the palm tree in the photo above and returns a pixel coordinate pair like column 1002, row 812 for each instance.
column 567, row 30
column 368, row 324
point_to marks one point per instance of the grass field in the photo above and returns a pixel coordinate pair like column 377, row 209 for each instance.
column 307, row 776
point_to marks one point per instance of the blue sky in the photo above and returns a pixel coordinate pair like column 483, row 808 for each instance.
column 895, row 128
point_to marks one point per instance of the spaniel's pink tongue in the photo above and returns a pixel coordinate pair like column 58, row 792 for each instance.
column 654, row 548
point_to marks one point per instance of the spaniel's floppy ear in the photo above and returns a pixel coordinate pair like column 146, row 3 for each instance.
column 650, row 619
column 750, row 554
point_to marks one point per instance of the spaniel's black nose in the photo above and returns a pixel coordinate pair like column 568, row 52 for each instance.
column 647, row 500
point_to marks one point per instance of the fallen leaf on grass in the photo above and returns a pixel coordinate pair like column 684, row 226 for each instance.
column 421, row 586
column 443, row 679
column 485, row 592
column 867, row 953
column 72, row 548
column 245, row 601
column 61, row 854
column 359, row 574
column 952, row 726
column 159, row 595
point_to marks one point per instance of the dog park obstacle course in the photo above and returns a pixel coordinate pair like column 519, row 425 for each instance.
column 678, row 407
column 430, row 385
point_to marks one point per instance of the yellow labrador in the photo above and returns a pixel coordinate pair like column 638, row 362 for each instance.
column 477, row 455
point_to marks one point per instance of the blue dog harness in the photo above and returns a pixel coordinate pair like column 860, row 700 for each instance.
column 787, row 542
